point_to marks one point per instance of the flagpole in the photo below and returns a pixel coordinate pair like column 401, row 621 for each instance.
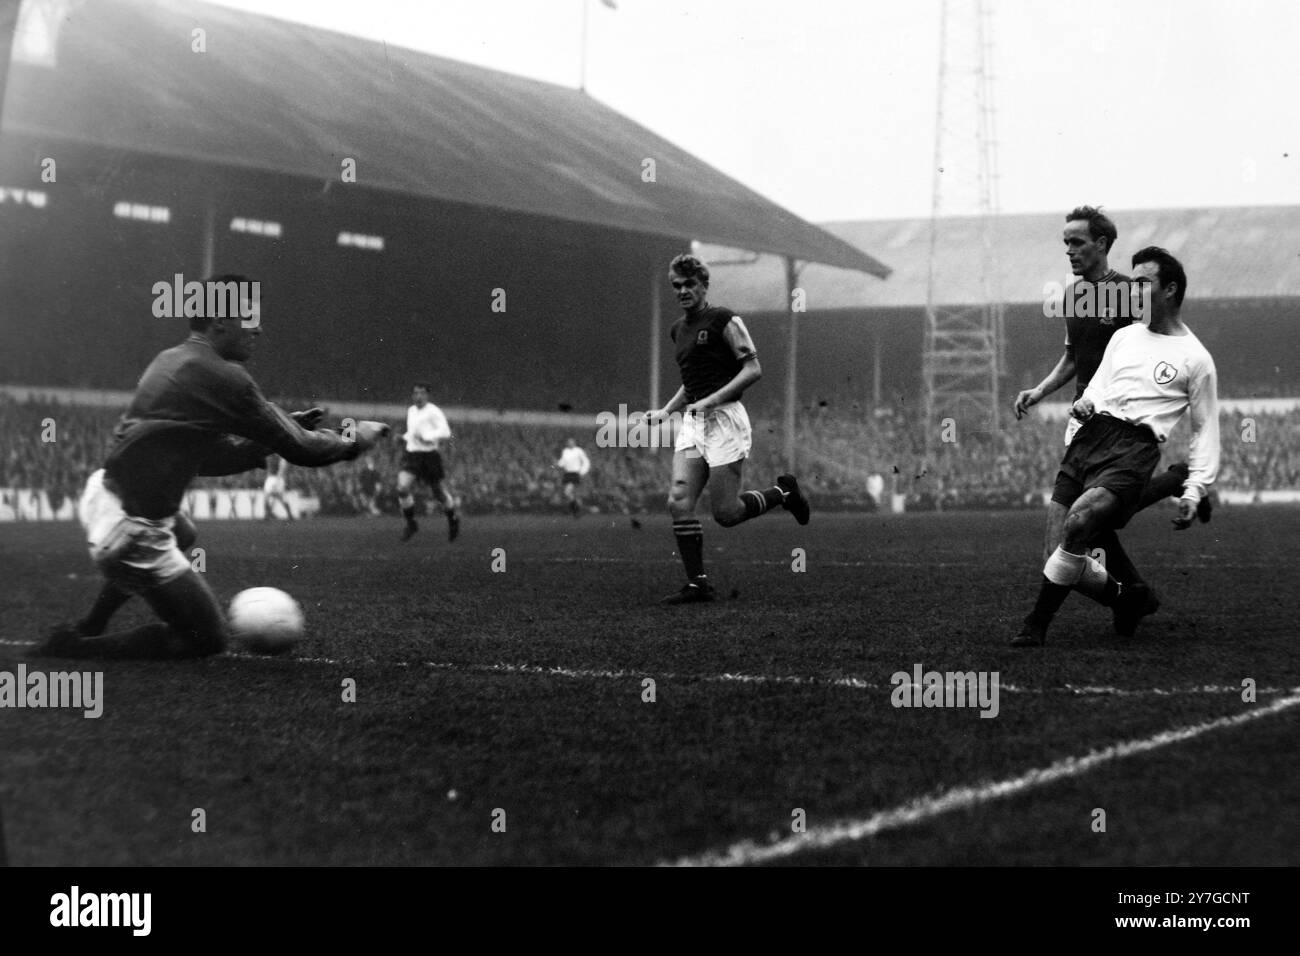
column 582, row 70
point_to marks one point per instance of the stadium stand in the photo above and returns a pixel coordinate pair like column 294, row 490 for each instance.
column 507, row 468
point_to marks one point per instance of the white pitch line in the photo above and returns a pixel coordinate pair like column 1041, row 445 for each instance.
column 853, row 683
column 783, row 561
column 797, row 680
column 924, row 808
column 827, row 563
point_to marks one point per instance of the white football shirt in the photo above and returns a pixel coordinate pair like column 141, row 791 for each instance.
column 425, row 428
column 1150, row 379
column 574, row 459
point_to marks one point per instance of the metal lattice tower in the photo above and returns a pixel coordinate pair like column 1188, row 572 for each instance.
column 963, row 355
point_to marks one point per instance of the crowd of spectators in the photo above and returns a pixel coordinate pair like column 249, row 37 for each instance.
column 510, row 468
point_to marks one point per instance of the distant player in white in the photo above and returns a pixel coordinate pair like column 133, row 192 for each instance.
column 274, row 488
column 574, row 463
column 426, row 430
column 1149, row 376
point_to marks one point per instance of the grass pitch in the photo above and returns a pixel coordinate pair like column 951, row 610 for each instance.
column 517, row 697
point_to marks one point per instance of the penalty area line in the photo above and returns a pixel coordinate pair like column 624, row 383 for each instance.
column 822, row 838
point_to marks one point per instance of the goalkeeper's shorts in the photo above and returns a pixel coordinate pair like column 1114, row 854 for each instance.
column 134, row 553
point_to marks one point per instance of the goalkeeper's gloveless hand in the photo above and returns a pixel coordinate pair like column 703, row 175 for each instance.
column 369, row 433
column 309, row 419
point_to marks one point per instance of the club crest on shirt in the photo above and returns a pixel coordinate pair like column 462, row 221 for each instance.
column 702, row 337
column 1165, row 373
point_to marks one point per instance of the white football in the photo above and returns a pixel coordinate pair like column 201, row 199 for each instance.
column 265, row 620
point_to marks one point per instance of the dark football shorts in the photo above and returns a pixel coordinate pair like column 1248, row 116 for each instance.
column 425, row 465
column 571, row 478
column 1111, row 454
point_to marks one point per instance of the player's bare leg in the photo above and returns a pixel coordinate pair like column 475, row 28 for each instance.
column 1056, row 513
column 192, row 626
column 1116, row 560
column 406, row 499
column 690, row 475
column 1070, row 568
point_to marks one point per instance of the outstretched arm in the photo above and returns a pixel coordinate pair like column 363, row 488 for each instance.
column 268, row 425
column 233, row 456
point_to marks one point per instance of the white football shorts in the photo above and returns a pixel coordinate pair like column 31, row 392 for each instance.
column 721, row 437
column 274, row 485
column 134, row 553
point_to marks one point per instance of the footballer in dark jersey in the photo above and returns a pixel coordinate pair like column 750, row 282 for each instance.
column 1097, row 306
column 718, row 362
column 196, row 411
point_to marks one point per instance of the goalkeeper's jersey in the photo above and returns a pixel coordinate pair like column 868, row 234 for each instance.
column 195, row 413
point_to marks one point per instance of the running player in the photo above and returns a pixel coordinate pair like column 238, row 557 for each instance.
column 575, row 465
column 274, row 488
column 426, row 429
column 1098, row 305
column 368, row 485
column 718, row 362
column 196, row 411
column 1149, row 376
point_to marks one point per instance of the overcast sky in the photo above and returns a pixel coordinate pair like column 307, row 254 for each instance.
column 828, row 106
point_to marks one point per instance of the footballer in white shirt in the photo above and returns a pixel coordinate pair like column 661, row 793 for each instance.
column 1096, row 306
column 575, row 464
column 275, row 488
column 1151, row 374
column 426, row 430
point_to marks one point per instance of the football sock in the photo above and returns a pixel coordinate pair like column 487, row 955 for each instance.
column 1164, row 485
column 1096, row 583
column 109, row 599
column 408, row 506
column 1117, row 560
column 1050, row 598
column 690, row 545
column 758, row 502
column 1060, row 574
column 149, row 642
